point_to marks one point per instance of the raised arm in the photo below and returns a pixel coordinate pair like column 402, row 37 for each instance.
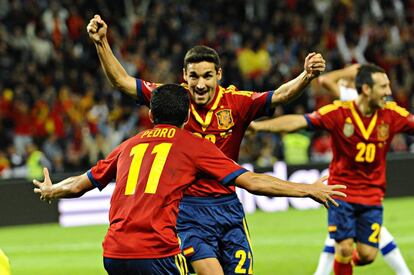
column 114, row 71
column 262, row 184
column 314, row 65
column 287, row 123
column 72, row 187
column 330, row 80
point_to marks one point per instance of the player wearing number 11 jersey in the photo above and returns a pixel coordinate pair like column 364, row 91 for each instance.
column 151, row 171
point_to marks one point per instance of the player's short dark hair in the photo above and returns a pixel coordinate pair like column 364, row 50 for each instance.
column 169, row 104
column 364, row 75
column 202, row 53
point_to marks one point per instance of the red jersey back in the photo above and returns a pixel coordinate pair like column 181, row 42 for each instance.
column 223, row 121
column 360, row 145
column 152, row 170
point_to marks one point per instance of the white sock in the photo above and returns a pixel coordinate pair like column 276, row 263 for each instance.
column 392, row 254
column 326, row 258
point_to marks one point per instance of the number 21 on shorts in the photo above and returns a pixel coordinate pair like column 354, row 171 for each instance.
column 138, row 152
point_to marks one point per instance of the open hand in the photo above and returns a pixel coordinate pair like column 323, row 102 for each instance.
column 323, row 193
column 44, row 189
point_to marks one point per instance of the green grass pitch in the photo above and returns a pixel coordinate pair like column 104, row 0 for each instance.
column 283, row 243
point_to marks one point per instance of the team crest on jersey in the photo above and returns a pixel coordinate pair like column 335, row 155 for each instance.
column 224, row 119
column 383, row 131
column 349, row 127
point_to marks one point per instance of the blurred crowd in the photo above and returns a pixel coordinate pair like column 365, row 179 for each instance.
column 58, row 110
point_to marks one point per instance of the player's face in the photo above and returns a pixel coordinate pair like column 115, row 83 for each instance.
column 202, row 81
column 380, row 90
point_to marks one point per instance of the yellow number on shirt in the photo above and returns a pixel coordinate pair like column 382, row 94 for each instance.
column 241, row 254
column 366, row 152
column 375, row 233
column 210, row 137
column 161, row 150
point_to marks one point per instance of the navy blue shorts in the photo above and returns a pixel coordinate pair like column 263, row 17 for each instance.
column 358, row 221
column 174, row 265
column 216, row 228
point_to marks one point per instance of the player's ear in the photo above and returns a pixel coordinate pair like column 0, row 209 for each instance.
column 184, row 74
column 151, row 117
column 188, row 117
column 219, row 74
column 366, row 89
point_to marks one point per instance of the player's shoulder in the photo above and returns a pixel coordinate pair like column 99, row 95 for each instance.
column 335, row 106
column 234, row 91
column 394, row 107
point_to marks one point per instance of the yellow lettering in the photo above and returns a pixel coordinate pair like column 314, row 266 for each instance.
column 145, row 134
column 171, row 133
column 161, row 152
column 164, row 132
column 374, row 237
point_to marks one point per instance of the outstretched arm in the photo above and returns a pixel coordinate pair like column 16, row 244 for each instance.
column 287, row 123
column 330, row 80
column 72, row 187
column 314, row 65
column 114, row 71
column 262, row 184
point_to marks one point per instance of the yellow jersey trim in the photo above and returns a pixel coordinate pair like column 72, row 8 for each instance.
column 398, row 109
column 366, row 133
column 246, row 230
column 232, row 89
column 205, row 123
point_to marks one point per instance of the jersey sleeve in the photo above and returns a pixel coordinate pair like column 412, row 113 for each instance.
column 211, row 161
column 253, row 105
column 105, row 170
column 402, row 119
column 323, row 118
column 144, row 90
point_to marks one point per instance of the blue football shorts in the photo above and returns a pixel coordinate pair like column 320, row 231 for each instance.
column 216, row 228
column 358, row 221
column 173, row 265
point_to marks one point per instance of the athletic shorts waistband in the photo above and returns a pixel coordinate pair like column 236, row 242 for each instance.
column 209, row 200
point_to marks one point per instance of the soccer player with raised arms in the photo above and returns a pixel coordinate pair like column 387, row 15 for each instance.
column 221, row 115
column 361, row 132
column 151, row 171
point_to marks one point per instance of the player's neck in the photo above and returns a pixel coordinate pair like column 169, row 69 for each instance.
column 364, row 106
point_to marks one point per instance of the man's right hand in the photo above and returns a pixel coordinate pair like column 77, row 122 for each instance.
column 97, row 29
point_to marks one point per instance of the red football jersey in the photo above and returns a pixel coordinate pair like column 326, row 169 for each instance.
column 360, row 145
column 223, row 122
column 151, row 171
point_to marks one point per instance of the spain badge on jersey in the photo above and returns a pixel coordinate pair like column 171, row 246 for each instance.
column 224, row 119
column 348, row 127
column 383, row 131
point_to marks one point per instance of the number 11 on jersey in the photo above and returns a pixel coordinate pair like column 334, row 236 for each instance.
column 138, row 152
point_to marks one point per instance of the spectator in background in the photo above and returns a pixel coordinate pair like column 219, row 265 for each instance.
column 35, row 162
column 296, row 144
column 32, row 62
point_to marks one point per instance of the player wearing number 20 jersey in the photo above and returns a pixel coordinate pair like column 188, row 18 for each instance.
column 360, row 145
column 149, row 186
